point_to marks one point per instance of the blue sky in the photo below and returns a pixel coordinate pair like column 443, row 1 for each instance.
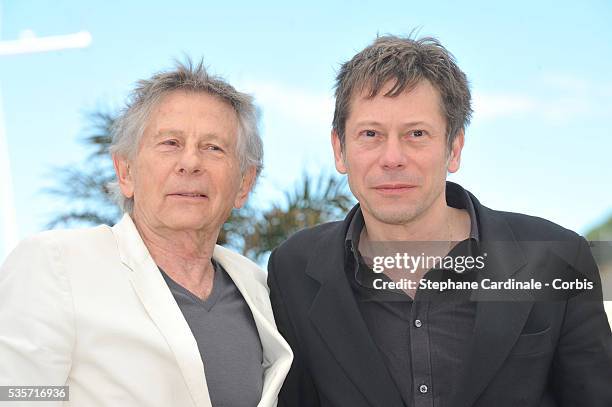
column 540, row 138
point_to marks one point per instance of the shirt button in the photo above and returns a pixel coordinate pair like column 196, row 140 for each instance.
column 418, row 323
column 423, row 388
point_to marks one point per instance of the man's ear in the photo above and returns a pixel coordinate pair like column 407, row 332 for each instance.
column 246, row 184
column 454, row 158
column 338, row 152
column 124, row 175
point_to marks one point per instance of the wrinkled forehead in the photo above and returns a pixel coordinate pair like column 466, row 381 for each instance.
column 197, row 103
column 185, row 111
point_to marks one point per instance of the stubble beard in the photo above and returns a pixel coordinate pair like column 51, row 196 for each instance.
column 397, row 216
column 402, row 216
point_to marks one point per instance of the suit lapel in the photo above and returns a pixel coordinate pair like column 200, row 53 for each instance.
column 336, row 316
column 277, row 354
column 498, row 323
column 159, row 303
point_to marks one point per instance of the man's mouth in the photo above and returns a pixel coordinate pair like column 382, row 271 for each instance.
column 394, row 186
column 189, row 195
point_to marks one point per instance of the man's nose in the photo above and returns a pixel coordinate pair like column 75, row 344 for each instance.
column 393, row 155
column 190, row 161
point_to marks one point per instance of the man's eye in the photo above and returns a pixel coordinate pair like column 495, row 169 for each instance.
column 417, row 133
column 213, row 148
column 369, row 133
column 170, row 142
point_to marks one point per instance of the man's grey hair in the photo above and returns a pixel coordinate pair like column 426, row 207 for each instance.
column 406, row 62
column 130, row 125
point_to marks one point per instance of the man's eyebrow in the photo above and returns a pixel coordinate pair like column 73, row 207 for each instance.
column 368, row 123
column 416, row 123
column 407, row 124
column 168, row 132
column 204, row 137
column 180, row 133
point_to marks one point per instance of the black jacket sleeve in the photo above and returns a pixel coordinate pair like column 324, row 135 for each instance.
column 582, row 366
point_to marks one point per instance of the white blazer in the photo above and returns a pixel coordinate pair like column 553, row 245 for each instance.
column 89, row 309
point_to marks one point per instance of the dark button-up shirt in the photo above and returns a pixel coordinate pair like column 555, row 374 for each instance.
column 422, row 342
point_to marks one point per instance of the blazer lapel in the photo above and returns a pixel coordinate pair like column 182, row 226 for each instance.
column 498, row 323
column 159, row 303
column 335, row 314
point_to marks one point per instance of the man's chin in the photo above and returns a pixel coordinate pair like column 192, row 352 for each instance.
column 395, row 216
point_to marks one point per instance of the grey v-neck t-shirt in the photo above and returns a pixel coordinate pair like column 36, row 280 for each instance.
column 227, row 338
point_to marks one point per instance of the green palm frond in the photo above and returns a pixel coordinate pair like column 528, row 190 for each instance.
column 99, row 137
column 83, row 190
column 311, row 202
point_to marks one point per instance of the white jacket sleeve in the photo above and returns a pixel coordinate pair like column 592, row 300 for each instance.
column 37, row 332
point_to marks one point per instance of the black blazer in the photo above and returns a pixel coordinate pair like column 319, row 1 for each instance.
column 526, row 353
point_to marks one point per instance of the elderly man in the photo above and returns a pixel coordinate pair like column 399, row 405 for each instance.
column 150, row 312
column 401, row 109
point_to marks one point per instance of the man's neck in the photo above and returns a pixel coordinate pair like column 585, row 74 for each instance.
column 435, row 233
column 184, row 255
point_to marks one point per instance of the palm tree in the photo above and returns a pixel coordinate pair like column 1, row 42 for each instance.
column 313, row 201
column 84, row 189
column 249, row 230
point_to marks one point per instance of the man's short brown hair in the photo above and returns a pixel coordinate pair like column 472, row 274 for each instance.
column 405, row 61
